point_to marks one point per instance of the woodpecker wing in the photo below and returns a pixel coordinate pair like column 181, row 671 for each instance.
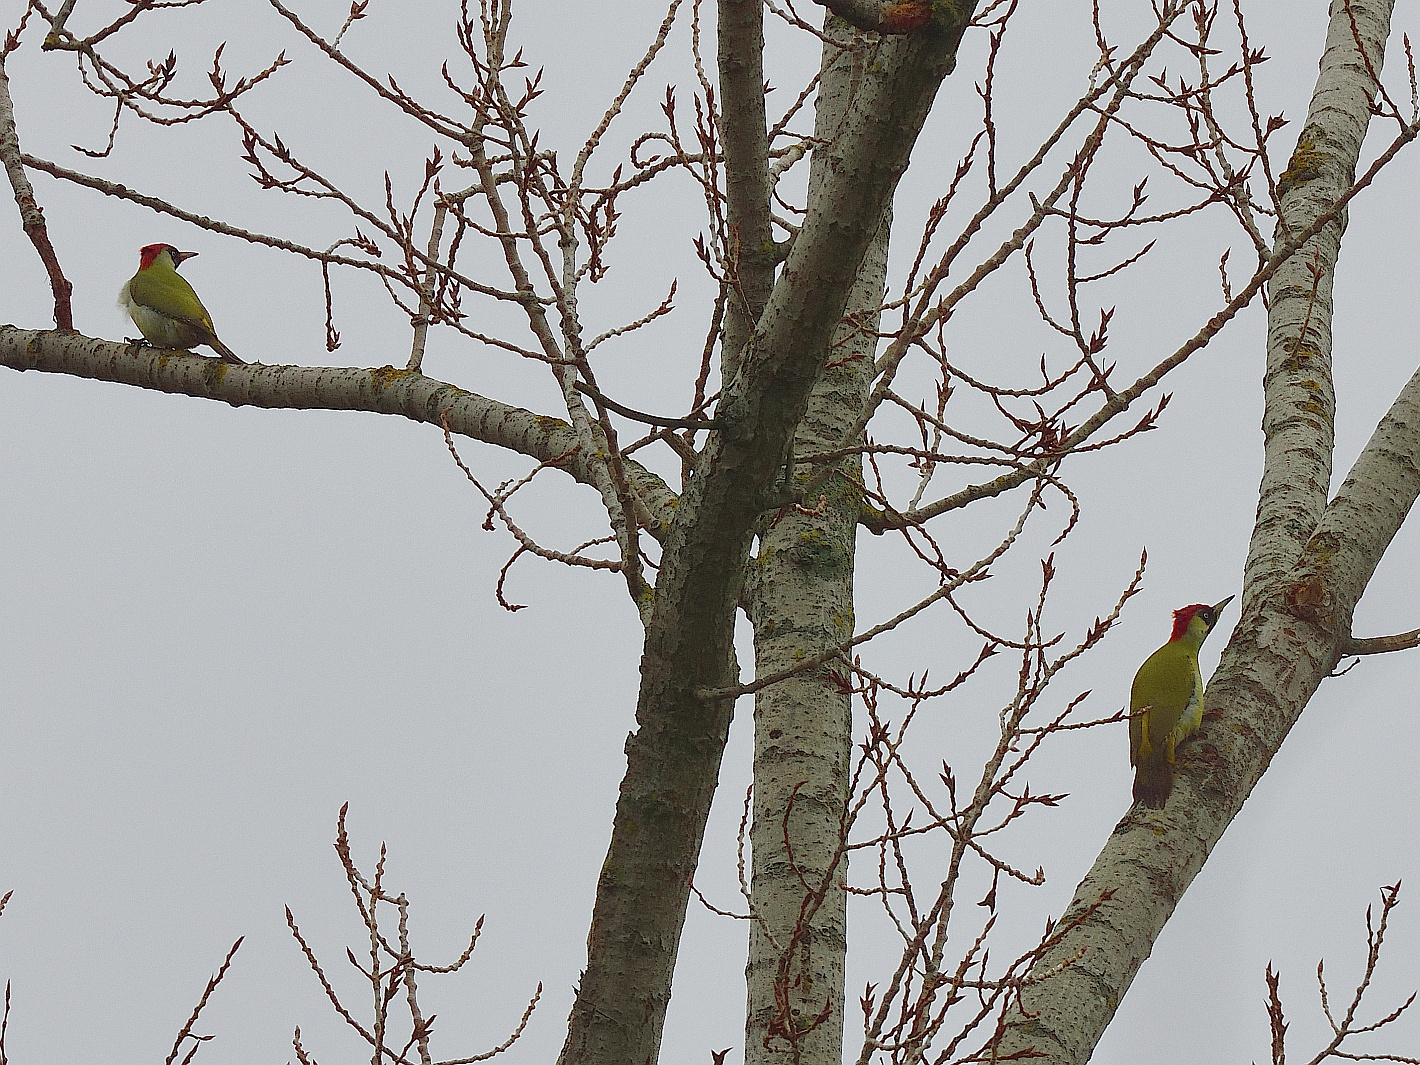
column 1165, row 690
column 169, row 294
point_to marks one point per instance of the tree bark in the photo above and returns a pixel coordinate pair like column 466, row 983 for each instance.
column 1303, row 552
column 673, row 758
column 751, row 255
column 383, row 390
column 1299, row 410
column 801, row 603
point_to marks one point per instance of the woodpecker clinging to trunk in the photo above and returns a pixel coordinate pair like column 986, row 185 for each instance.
column 1166, row 702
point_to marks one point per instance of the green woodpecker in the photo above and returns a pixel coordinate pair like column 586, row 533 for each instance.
column 1166, row 702
column 163, row 306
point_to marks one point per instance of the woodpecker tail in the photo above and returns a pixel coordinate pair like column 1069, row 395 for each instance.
column 228, row 355
column 1152, row 784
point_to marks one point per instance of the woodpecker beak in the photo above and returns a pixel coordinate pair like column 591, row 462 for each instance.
column 181, row 256
column 1217, row 607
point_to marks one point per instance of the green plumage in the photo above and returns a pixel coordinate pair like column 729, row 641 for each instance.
column 165, row 308
column 1166, row 703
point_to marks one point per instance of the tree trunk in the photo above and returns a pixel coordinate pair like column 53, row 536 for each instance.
column 673, row 758
column 800, row 603
column 1280, row 652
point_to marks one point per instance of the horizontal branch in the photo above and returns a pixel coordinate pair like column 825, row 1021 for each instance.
column 123, row 192
column 1375, row 645
column 381, row 390
column 641, row 416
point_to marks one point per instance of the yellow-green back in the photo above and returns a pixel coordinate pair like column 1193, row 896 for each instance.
column 1170, row 686
column 163, row 289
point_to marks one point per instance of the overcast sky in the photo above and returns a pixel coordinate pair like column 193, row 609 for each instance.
column 222, row 624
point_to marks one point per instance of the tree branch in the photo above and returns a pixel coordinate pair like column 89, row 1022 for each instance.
column 1376, row 645
column 31, row 215
column 673, row 758
column 384, row 390
column 392, row 274
column 641, row 416
column 750, row 253
column 1269, row 671
column 1358, row 525
column 1299, row 395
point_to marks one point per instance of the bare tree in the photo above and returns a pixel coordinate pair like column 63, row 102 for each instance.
column 799, row 433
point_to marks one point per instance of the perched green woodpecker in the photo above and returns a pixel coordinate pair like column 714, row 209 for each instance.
column 163, row 306
column 1166, row 702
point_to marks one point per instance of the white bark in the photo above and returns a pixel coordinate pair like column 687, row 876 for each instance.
column 1300, row 408
column 673, row 757
column 383, row 390
column 801, row 603
column 1279, row 654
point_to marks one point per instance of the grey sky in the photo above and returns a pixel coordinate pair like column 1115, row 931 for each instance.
column 221, row 624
